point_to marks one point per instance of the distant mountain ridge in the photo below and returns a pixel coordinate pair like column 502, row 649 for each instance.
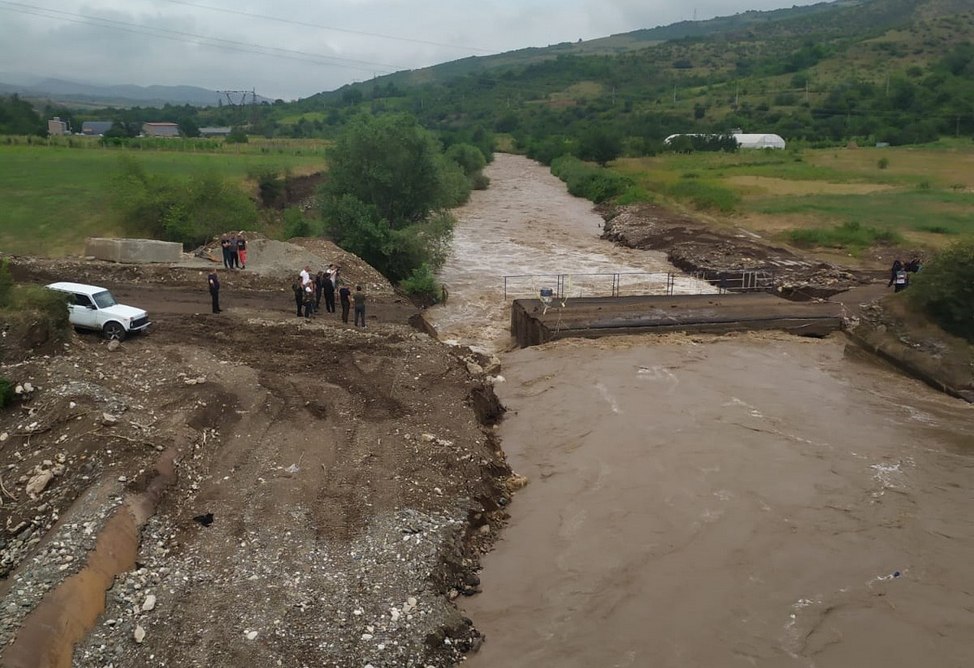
column 74, row 92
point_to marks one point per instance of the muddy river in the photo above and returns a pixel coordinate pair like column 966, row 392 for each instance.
column 753, row 500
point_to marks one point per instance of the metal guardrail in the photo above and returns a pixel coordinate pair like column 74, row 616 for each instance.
column 637, row 283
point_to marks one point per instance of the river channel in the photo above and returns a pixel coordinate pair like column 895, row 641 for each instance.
column 749, row 500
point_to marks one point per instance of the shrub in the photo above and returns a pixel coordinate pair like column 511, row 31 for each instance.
column 883, row 163
column 296, row 224
column 237, row 136
column 945, row 289
column 584, row 180
column 48, row 309
column 422, row 284
column 6, row 284
column 6, row 392
column 190, row 211
column 480, row 182
column 270, row 187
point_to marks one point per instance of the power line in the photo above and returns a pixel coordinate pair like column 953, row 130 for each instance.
column 192, row 38
column 320, row 26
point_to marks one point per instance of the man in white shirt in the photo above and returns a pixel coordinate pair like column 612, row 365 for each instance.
column 306, row 275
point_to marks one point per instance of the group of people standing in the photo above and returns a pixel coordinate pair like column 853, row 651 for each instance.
column 234, row 251
column 309, row 288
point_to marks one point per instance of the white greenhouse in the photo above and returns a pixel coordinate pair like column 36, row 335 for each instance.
column 759, row 141
column 765, row 140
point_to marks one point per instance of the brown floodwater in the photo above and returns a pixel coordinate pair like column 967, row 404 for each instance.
column 750, row 500
column 739, row 501
column 526, row 227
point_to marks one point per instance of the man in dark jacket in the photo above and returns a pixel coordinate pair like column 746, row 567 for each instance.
column 214, row 284
column 344, row 295
column 328, row 287
column 298, row 290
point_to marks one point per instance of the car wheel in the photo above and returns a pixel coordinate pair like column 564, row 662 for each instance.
column 113, row 331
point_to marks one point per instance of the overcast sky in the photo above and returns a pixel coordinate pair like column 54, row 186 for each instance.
column 295, row 48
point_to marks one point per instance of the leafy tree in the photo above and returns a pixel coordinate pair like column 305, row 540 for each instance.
column 17, row 117
column 388, row 184
column 599, row 146
column 237, row 136
column 391, row 163
column 122, row 130
column 189, row 128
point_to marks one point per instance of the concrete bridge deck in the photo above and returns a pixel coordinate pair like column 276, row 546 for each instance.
column 533, row 323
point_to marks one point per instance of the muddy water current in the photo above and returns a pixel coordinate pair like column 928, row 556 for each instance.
column 751, row 500
column 517, row 237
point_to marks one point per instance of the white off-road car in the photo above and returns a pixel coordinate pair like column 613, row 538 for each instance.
column 91, row 307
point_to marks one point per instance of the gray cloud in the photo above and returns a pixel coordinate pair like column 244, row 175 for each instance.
column 318, row 45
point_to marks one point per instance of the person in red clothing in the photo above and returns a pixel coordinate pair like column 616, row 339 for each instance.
column 242, row 250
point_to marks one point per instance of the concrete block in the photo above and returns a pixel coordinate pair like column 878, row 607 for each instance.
column 133, row 251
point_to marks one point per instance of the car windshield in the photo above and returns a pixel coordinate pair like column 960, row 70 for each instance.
column 104, row 299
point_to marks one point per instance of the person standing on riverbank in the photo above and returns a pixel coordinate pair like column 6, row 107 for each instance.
column 213, row 281
column 234, row 255
column 225, row 246
column 242, row 250
column 344, row 296
column 328, row 287
column 360, row 299
column 298, row 291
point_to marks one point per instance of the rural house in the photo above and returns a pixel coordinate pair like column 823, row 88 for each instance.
column 56, row 126
column 214, row 132
column 160, row 129
column 96, row 128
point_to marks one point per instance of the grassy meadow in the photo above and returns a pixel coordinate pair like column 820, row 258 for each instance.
column 52, row 197
column 841, row 200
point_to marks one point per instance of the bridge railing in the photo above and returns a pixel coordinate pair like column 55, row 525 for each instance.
column 620, row 284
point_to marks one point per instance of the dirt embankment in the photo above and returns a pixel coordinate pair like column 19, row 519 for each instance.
column 702, row 249
column 883, row 324
column 300, row 492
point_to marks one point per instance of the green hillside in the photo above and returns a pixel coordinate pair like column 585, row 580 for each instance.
column 894, row 71
column 869, row 71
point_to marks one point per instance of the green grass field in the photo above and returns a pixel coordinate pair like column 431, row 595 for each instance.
column 53, row 197
column 918, row 195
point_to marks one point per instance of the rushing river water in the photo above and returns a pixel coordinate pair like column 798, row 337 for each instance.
column 753, row 500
